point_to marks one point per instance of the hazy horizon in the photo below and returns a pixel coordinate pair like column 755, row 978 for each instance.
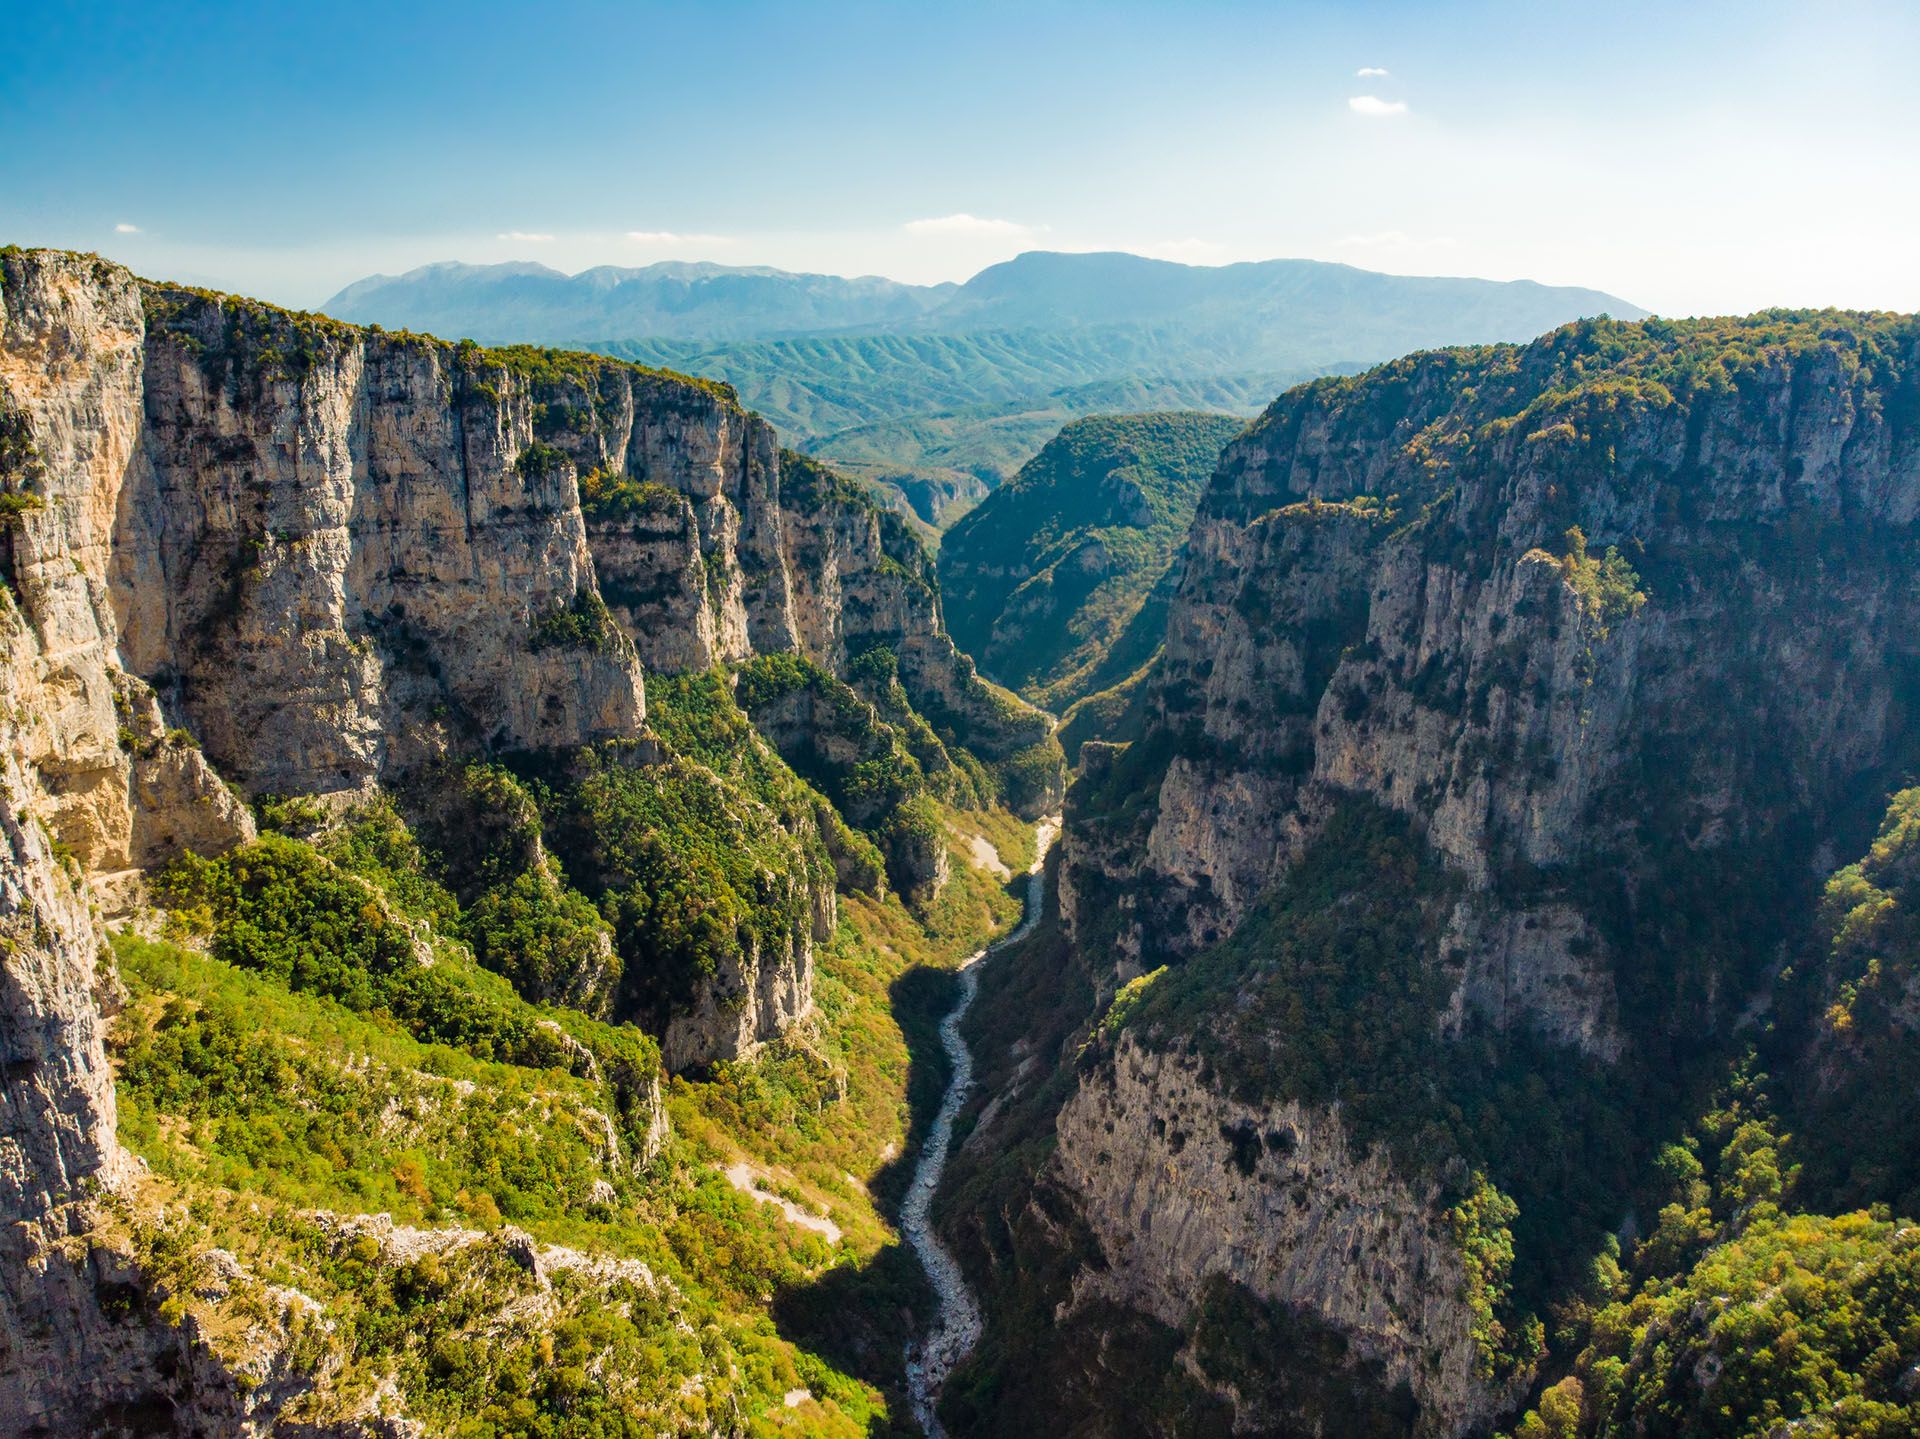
column 1708, row 159
column 533, row 262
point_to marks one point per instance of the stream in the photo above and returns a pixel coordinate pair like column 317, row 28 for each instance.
column 956, row 1327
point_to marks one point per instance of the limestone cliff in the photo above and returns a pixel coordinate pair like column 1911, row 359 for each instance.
column 77, row 800
column 1186, row 1187
column 1622, row 623
column 1381, row 597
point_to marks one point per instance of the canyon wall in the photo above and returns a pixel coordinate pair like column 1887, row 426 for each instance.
column 1624, row 626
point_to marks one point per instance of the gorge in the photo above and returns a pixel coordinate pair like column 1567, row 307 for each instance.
column 480, row 821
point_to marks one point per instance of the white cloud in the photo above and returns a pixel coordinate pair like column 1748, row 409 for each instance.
column 668, row 238
column 1369, row 72
column 522, row 237
column 1374, row 105
column 964, row 224
column 123, row 228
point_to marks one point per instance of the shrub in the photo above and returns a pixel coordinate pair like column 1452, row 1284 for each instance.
column 584, row 623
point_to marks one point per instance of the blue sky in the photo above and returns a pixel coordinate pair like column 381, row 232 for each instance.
column 1694, row 157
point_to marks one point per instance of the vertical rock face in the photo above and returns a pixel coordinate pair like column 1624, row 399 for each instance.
column 1378, row 598
column 72, row 363
column 58, row 1100
column 754, row 1000
column 827, row 574
column 862, row 582
column 337, row 550
column 1385, row 596
column 1195, row 1187
column 91, row 788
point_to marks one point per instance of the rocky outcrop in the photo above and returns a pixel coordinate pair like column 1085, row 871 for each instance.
column 756, row 997
column 1180, row 1186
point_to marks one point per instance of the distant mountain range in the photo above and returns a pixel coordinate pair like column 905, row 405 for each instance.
column 530, row 303
column 940, row 392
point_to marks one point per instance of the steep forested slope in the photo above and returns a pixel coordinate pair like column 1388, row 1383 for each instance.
column 1047, row 583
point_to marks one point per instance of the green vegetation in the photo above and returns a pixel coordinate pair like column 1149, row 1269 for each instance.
column 692, row 870
column 1736, row 1318
column 1054, row 583
column 1560, row 405
column 340, row 1048
column 254, row 1104
column 541, row 462
column 1126, row 999
column 14, row 506
column 244, row 344
column 1855, row 993
column 21, row 468
column 1798, row 1320
column 1289, row 1369
column 547, row 939
column 1117, row 715
column 1337, row 982
column 583, row 373
column 934, row 422
column 870, row 769
column 240, row 344
column 961, row 408
column 1645, row 1242
column 606, row 496
column 515, row 908
column 230, row 1077
column 1608, row 587
column 583, row 623
column 1479, row 1220
column 282, row 908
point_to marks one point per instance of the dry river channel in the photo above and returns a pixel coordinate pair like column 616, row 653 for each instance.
column 956, row 1326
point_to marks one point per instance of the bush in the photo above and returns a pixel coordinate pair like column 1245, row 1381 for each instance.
column 584, row 623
